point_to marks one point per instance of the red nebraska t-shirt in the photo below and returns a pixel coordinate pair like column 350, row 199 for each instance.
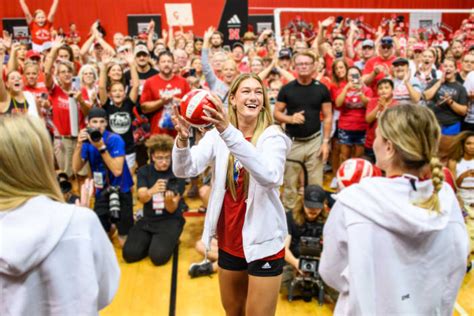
column 372, row 63
column 61, row 115
column 352, row 116
column 154, row 88
column 40, row 34
column 370, row 135
column 232, row 217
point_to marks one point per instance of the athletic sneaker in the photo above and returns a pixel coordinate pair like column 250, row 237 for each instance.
column 200, row 269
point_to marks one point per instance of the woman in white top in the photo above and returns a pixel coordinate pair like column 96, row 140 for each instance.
column 55, row 258
column 247, row 154
column 397, row 245
column 461, row 164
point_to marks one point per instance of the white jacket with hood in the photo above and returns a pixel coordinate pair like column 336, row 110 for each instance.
column 388, row 257
column 265, row 228
column 55, row 259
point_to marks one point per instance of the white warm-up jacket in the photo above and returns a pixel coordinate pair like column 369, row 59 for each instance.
column 55, row 259
column 265, row 228
column 388, row 257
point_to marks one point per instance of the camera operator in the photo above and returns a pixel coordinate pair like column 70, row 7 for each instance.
column 305, row 228
column 157, row 233
column 105, row 152
column 306, row 221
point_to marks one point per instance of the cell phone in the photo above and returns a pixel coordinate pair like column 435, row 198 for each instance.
column 192, row 72
column 355, row 76
column 76, row 83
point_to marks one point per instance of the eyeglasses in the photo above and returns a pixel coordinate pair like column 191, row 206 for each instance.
column 386, row 46
column 161, row 158
column 304, row 64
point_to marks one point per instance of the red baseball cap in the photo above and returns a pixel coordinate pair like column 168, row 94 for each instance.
column 32, row 54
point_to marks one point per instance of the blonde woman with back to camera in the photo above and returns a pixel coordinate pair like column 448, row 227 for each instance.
column 398, row 245
column 55, row 259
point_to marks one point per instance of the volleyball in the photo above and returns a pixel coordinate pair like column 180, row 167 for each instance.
column 352, row 171
column 192, row 107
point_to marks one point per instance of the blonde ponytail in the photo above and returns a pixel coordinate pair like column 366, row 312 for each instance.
column 437, row 177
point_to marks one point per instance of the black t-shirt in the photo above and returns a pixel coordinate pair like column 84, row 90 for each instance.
column 120, row 121
column 459, row 78
column 443, row 112
column 147, row 177
column 143, row 76
column 308, row 229
column 304, row 98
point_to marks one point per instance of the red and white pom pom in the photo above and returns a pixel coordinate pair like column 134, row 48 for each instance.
column 192, row 107
column 352, row 171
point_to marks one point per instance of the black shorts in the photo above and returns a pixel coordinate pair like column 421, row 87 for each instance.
column 260, row 268
column 125, row 221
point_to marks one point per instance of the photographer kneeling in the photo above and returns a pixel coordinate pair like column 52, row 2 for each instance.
column 303, row 245
column 105, row 152
column 157, row 233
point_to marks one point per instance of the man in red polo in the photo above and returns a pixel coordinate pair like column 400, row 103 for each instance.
column 160, row 93
column 378, row 67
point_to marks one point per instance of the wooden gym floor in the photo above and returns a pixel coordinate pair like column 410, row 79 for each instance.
column 145, row 289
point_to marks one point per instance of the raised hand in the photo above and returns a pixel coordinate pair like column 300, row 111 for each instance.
column 57, row 42
column 327, row 22
column 180, row 124
column 129, row 57
column 218, row 117
column 7, row 39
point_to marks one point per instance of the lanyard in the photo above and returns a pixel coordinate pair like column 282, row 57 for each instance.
column 25, row 106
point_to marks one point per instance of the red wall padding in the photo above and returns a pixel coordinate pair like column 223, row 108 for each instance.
column 113, row 13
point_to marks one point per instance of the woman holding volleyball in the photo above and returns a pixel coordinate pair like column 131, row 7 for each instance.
column 397, row 245
column 247, row 155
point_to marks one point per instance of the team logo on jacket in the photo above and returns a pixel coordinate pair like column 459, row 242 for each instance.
column 120, row 122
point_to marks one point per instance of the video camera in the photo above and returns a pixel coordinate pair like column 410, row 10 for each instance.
column 310, row 246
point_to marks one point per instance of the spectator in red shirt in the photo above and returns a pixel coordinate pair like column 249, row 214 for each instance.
column 69, row 108
column 73, row 36
column 351, row 101
column 376, row 106
column 331, row 51
column 379, row 67
column 40, row 25
column 160, row 93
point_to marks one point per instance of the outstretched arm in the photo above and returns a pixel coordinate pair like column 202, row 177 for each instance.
column 52, row 11
column 26, row 11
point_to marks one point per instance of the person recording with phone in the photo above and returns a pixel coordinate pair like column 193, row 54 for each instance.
column 105, row 152
column 351, row 101
column 157, row 233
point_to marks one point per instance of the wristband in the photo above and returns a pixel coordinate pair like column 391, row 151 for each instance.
column 326, row 140
column 182, row 139
column 102, row 149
